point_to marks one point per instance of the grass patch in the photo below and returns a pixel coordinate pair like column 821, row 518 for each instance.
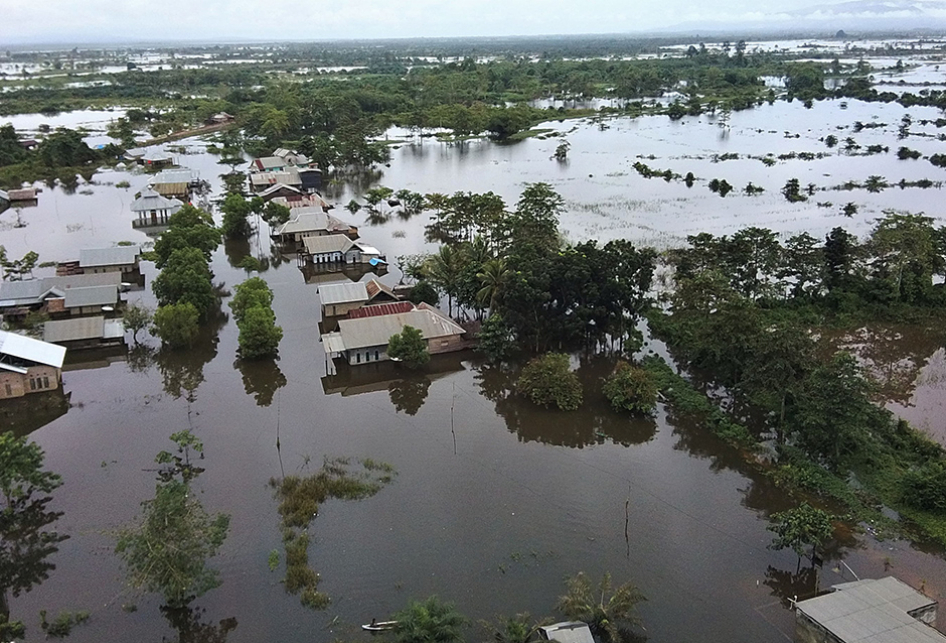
column 300, row 498
column 530, row 133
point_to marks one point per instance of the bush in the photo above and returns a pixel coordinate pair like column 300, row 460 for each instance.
column 548, row 380
column 495, row 338
column 424, row 292
column 409, row 347
column 631, row 389
column 259, row 334
column 925, row 488
column 176, row 324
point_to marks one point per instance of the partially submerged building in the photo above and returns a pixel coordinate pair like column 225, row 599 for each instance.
column 121, row 259
column 363, row 340
column 883, row 610
column 312, row 222
column 28, row 365
column 342, row 298
column 84, row 332
column 69, row 296
column 175, row 184
column 567, row 632
column 337, row 249
column 153, row 209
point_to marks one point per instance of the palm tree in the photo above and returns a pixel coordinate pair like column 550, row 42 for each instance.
column 605, row 612
column 430, row 621
column 443, row 271
column 493, row 278
column 520, row 628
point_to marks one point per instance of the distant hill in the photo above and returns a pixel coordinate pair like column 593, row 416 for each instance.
column 853, row 17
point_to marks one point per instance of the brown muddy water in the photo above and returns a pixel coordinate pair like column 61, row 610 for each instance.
column 496, row 501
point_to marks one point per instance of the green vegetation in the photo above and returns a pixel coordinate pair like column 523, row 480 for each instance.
column 549, row 381
column 300, row 498
column 253, row 311
column 136, row 318
column 429, row 621
column 25, row 543
column 747, row 309
column 17, row 269
column 177, row 324
column 166, row 549
column 408, row 347
column 61, row 154
column 62, row 625
column 801, row 528
column 609, row 611
column 632, row 389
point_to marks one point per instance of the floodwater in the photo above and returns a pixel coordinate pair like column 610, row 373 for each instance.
column 496, row 501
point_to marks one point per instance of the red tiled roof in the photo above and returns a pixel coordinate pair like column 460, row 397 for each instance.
column 376, row 310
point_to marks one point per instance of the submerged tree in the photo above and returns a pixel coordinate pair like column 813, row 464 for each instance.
column 25, row 544
column 548, row 380
column 409, row 347
column 607, row 610
column 429, row 621
column 801, row 528
column 166, row 550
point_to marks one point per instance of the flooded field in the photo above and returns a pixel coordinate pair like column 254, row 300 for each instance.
column 495, row 501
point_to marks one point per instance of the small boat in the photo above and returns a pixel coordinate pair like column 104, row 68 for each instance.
column 379, row 626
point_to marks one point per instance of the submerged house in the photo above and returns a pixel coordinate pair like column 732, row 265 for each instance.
column 121, row 259
column 84, row 332
column 156, row 159
column 291, row 157
column 28, row 365
column 176, row 183
column 153, row 209
column 260, row 181
column 70, row 296
column 344, row 298
column 312, row 222
column 883, row 610
column 337, row 249
column 363, row 340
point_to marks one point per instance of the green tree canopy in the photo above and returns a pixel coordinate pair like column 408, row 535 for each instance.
column 409, row 347
column 607, row 610
column 429, row 621
column 548, row 380
column 177, row 324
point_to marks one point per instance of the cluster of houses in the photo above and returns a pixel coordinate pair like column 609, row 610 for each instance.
column 359, row 319
column 81, row 307
column 286, row 173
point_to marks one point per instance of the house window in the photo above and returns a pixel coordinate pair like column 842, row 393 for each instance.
column 32, row 384
column 9, row 389
column 358, row 358
column 45, row 381
column 376, row 356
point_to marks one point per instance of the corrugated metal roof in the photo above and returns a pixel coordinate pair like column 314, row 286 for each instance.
column 328, row 243
column 277, row 187
column 83, row 281
column 91, row 296
column 872, row 611
column 30, row 291
column 151, row 200
column 177, row 175
column 171, row 189
column 32, row 350
column 305, row 220
column 344, row 293
column 332, row 343
column 70, row 330
column 268, row 163
column 376, row 331
column 375, row 288
column 289, row 176
column 114, row 328
column 116, row 256
column 367, row 250
column 373, row 310
column 568, row 632
column 17, row 293
column 4, row 196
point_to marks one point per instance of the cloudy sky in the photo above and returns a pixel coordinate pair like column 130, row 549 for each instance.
column 87, row 21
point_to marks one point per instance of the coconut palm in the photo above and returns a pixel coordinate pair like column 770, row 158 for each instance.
column 430, row 621
column 521, row 628
column 443, row 271
column 493, row 278
column 606, row 610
